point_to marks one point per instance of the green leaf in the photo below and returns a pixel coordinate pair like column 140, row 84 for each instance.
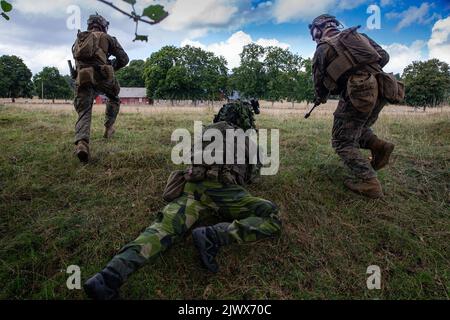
column 156, row 13
column 4, row 15
column 6, row 6
column 132, row 2
column 141, row 38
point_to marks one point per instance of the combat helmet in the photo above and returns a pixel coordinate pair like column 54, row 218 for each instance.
column 322, row 23
column 239, row 113
column 98, row 20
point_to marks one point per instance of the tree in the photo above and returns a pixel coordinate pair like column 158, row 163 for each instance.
column 283, row 69
column 132, row 75
column 185, row 73
column 304, row 86
column 15, row 78
column 156, row 69
column 52, row 83
column 427, row 83
column 250, row 78
column 5, row 7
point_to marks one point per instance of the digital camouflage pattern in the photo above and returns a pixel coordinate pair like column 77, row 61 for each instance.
column 250, row 219
column 359, row 106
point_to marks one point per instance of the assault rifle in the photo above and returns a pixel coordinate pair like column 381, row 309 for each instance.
column 312, row 110
column 73, row 72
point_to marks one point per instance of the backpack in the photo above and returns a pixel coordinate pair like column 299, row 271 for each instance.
column 353, row 51
column 87, row 47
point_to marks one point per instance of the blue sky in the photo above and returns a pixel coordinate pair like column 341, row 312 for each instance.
column 410, row 30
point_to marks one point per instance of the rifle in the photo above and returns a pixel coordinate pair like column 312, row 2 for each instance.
column 312, row 110
column 73, row 72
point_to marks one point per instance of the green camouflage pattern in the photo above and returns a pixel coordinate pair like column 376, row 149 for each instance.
column 237, row 113
column 250, row 218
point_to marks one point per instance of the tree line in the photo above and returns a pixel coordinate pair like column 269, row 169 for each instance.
column 16, row 80
column 190, row 73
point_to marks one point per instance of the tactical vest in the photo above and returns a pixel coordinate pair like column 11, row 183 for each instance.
column 353, row 51
column 91, row 47
column 240, row 174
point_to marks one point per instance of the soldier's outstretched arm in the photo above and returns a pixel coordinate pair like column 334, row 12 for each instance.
column 121, row 57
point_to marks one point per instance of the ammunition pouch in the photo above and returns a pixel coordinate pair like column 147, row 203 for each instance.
column 106, row 72
column 175, row 186
column 362, row 89
column 85, row 77
column 390, row 88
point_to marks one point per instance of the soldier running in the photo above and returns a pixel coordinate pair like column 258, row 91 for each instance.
column 95, row 74
column 349, row 64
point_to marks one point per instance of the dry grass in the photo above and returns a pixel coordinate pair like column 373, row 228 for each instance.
column 55, row 212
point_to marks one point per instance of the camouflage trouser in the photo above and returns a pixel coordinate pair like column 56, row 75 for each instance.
column 254, row 219
column 84, row 98
column 351, row 132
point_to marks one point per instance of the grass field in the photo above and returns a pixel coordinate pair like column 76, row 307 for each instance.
column 55, row 212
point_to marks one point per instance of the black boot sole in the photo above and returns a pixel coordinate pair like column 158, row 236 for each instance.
column 200, row 245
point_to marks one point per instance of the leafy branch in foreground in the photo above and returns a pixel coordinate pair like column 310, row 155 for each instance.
column 6, row 7
column 152, row 15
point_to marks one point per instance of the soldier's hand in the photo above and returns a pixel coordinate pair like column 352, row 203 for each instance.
column 318, row 101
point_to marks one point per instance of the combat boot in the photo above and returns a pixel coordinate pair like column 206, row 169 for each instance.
column 82, row 151
column 103, row 286
column 208, row 241
column 109, row 132
column 370, row 188
column 381, row 153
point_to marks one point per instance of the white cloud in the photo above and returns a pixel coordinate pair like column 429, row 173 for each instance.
column 40, row 57
column 439, row 44
column 289, row 10
column 385, row 3
column 419, row 15
column 232, row 48
column 305, row 10
column 402, row 55
column 199, row 14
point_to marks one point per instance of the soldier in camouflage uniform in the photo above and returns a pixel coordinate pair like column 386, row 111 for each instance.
column 205, row 190
column 346, row 63
column 95, row 75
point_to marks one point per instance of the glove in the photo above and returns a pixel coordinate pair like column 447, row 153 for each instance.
column 319, row 100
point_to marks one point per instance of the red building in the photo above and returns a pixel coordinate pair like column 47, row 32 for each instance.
column 128, row 96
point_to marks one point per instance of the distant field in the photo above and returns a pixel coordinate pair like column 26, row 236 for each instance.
column 189, row 107
column 55, row 212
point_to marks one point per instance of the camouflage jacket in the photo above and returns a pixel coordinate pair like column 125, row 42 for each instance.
column 324, row 55
column 111, row 47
